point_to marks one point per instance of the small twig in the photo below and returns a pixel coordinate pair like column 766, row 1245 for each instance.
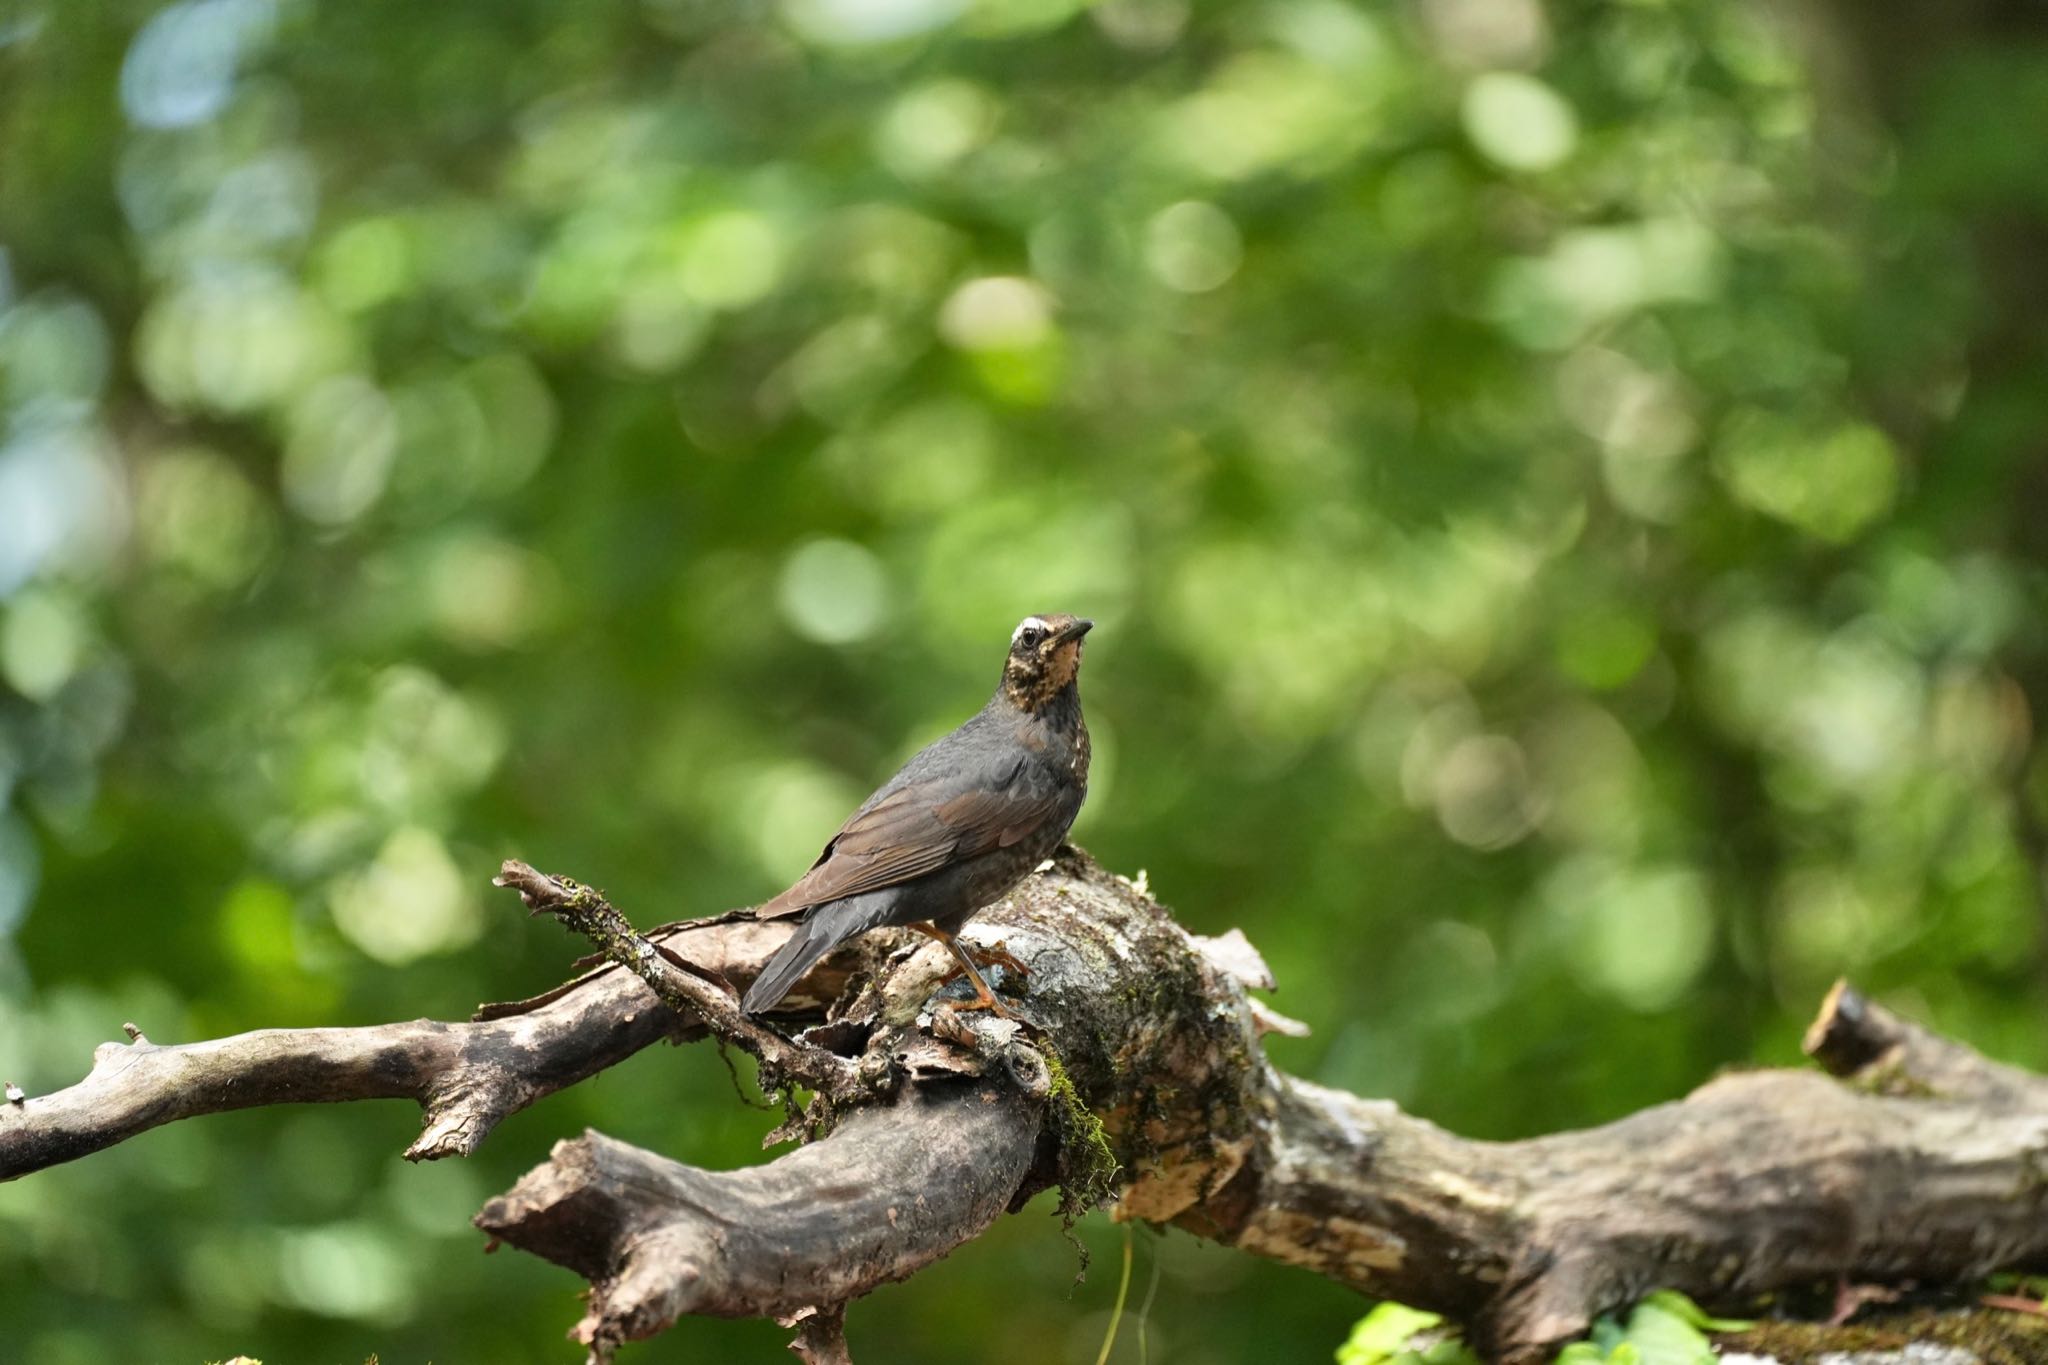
column 696, row 998
column 739, row 1087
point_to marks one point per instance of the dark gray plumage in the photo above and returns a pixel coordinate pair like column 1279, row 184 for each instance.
column 961, row 824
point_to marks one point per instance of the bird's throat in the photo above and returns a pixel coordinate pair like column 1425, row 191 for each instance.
column 1039, row 693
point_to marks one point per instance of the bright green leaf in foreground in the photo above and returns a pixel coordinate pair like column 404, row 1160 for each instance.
column 1385, row 1336
column 1667, row 1328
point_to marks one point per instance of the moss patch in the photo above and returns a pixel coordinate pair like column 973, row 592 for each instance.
column 1088, row 1164
column 1995, row 1337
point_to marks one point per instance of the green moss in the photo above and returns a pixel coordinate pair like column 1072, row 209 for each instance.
column 1088, row 1164
column 1890, row 1079
column 1996, row 1338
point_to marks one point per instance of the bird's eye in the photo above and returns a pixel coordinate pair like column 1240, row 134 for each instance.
column 1031, row 636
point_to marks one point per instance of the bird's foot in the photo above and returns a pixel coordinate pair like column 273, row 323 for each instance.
column 1851, row 1299
column 960, row 973
column 985, row 1002
column 984, row 998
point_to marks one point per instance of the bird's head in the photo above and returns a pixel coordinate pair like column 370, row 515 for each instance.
column 1045, row 655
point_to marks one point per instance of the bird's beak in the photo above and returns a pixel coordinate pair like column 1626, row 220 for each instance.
column 1074, row 632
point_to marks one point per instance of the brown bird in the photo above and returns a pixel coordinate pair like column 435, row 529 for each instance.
column 961, row 824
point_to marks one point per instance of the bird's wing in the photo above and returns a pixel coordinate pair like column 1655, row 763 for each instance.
column 919, row 828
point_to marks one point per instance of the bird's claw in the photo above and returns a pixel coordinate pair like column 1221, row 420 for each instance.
column 990, row 1003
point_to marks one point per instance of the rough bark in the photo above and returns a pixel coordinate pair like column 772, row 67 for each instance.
column 892, row 1189
column 466, row 1076
column 1135, row 1071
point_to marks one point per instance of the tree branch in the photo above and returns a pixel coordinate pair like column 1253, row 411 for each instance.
column 891, row 1190
column 467, row 1076
column 1860, row 1040
column 1135, row 1068
column 1756, row 1182
column 696, row 993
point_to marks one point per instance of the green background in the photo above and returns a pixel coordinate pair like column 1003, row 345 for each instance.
column 1562, row 489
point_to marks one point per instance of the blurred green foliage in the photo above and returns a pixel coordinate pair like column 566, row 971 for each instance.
column 1561, row 484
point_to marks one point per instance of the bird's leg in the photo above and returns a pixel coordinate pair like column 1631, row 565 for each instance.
column 997, row 956
column 985, row 999
column 1851, row 1299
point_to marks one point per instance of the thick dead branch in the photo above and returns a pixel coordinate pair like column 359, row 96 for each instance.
column 891, row 1190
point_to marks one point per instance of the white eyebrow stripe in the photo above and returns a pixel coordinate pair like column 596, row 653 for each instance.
column 1026, row 624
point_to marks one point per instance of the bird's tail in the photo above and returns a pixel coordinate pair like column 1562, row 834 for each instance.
column 823, row 929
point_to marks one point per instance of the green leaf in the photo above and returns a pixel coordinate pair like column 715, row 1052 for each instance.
column 1581, row 1353
column 1382, row 1336
column 1606, row 1335
column 1662, row 1337
column 1592, row 1353
column 1679, row 1306
column 1667, row 1328
column 1450, row 1351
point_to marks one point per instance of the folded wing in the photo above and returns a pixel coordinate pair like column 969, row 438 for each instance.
column 918, row 828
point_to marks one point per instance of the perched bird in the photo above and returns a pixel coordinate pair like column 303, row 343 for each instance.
column 963, row 822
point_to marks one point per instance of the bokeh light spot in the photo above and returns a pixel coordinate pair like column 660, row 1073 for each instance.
column 364, row 264
column 733, row 258
column 999, row 312
column 488, row 593
column 931, row 127
column 408, row 903
column 853, row 23
column 833, row 591
column 1641, row 933
column 1830, row 483
column 1519, row 122
column 197, row 514
column 41, row 644
column 1483, row 793
column 180, row 70
column 1193, row 246
column 344, row 1270
column 338, row 457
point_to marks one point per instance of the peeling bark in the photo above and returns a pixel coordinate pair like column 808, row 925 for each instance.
column 1134, row 1069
